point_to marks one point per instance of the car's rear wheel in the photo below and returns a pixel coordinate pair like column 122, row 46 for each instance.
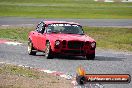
column 48, row 51
column 31, row 50
column 90, row 56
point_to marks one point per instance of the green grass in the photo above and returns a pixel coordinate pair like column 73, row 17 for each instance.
column 65, row 9
column 111, row 38
column 15, row 33
column 20, row 71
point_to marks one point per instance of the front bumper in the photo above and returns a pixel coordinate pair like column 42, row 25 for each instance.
column 74, row 52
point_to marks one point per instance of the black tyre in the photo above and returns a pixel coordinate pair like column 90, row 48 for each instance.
column 81, row 80
column 31, row 50
column 48, row 51
column 90, row 56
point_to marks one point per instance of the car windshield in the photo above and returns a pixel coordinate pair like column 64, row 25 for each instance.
column 65, row 29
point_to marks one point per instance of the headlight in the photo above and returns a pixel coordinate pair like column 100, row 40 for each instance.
column 57, row 42
column 93, row 44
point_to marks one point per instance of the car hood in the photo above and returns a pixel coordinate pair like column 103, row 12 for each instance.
column 70, row 37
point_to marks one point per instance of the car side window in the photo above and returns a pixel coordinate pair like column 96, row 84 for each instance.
column 40, row 28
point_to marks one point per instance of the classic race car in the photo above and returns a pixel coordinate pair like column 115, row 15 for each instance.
column 60, row 37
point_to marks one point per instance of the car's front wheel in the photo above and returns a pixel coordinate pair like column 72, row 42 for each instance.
column 48, row 51
column 90, row 56
column 31, row 50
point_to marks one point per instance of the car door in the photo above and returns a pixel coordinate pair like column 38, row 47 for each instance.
column 35, row 37
column 41, row 39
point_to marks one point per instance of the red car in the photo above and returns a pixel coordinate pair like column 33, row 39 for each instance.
column 60, row 37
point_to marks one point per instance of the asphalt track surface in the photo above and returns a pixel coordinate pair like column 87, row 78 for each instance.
column 21, row 21
column 106, row 62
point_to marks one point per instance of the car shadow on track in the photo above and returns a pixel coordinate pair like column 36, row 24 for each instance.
column 104, row 58
column 97, row 58
column 70, row 58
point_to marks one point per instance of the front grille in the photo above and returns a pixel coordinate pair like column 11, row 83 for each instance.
column 73, row 51
column 75, row 44
column 64, row 44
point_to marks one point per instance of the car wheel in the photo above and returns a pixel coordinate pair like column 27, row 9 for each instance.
column 90, row 56
column 31, row 50
column 48, row 51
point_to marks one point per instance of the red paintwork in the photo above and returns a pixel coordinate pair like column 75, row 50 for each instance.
column 39, row 40
column 3, row 41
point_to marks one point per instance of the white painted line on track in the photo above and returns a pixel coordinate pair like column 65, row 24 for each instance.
column 48, row 71
column 20, row 65
column 5, row 25
column 2, row 62
column 13, row 43
column 63, row 76
column 2, row 41
column 17, row 24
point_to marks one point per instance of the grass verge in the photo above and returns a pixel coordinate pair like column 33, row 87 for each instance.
column 65, row 9
column 111, row 38
column 15, row 33
column 18, row 77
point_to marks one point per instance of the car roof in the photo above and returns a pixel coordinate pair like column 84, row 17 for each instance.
column 59, row 22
